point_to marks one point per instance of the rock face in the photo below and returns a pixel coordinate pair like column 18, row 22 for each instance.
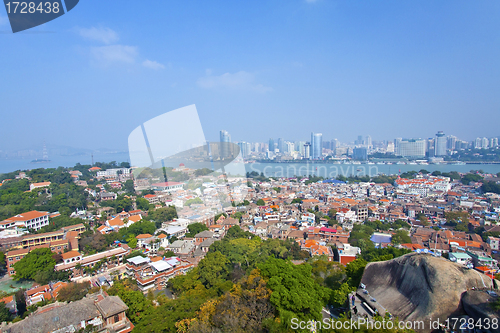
column 416, row 287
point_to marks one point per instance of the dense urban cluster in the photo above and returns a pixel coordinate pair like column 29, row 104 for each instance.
column 204, row 251
column 438, row 149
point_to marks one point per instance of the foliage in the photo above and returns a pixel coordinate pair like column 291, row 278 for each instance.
column 122, row 203
column 141, row 227
column 196, row 200
column 4, row 313
column 73, row 291
column 91, row 242
column 202, row 172
column 142, row 204
column 339, row 295
column 58, row 222
column 138, row 305
column 354, row 271
column 213, row 269
column 294, row 292
column 161, row 215
column 38, row 260
column 260, row 202
column 490, row 186
column 195, row 228
column 243, row 309
column 386, row 253
column 470, row 177
column 401, row 237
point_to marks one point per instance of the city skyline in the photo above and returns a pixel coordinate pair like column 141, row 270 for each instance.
column 390, row 69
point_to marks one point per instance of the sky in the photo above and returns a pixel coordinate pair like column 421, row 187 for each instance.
column 258, row 69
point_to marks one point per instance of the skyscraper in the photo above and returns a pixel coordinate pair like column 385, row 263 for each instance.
column 271, row 145
column 484, row 143
column 316, row 145
column 280, row 145
column 307, row 150
column 225, row 137
column 440, row 144
column 368, row 142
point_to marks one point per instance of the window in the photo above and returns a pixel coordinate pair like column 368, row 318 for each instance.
column 117, row 318
column 10, row 259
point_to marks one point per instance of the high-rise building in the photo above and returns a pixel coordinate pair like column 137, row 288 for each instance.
column 359, row 141
column 244, row 148
column 225, row 148
column 484, row 143
column 334, row 144
column 307, row 150
column 225, row 136
column 493, row 142
column 368, row 142
column 477, row 143
column 410, row 147
column 360, row 153
column 440, row 144
column 299, row 146
column 280, row 145
column 390, row 147
column 271, row 145
column 451, row 142
column 316, row 146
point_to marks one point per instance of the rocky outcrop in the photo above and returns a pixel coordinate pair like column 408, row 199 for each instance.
column 417, row 287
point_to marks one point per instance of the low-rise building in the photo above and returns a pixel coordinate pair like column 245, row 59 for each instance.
column 31, row 220
column 155, row 274
column 99, row 312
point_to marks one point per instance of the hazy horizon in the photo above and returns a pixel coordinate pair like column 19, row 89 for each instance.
column 259, row 70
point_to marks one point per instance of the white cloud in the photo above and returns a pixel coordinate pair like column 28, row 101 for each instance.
column 103, row 35
column 239, row 81
column 153, row 64
column 109, row 54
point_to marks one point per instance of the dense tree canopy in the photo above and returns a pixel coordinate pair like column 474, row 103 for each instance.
column 38, row 265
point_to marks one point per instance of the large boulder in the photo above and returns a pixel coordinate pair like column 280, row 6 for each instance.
column 417, row 287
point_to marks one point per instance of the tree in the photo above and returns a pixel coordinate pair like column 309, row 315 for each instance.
column 339, row 295
column 73, row 291
column 92, row 242
column 401, row 237
column 190, row 202
column 294, row 292
column 142, row 204
column 131, row 241
column 129, row 187
column 260, row 202
column 354, row 271
column 2, row 260
column 213, row 268
column 4, row 313
column 20, row 302
column 138, row 305
column 195, row 228
column 38, row 260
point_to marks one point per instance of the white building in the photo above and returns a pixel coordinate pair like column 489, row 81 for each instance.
column 113, row 172
column 31, row 220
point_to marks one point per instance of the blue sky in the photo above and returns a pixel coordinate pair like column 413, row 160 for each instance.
column 258, row 69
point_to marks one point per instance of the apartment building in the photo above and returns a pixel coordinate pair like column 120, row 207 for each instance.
column 31, row 220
